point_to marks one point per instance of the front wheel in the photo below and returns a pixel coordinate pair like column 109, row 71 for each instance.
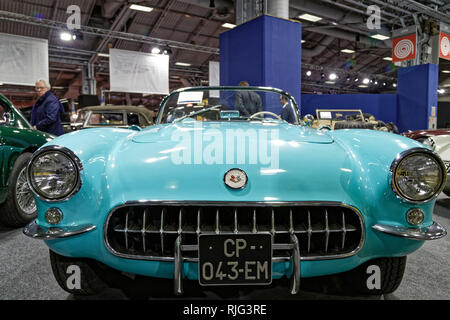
column 19, row 207
column 76, row 276
column 375, row 277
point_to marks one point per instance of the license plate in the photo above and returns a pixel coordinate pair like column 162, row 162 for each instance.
column 232, row 259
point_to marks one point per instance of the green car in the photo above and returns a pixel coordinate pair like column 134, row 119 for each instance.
column 18, row 141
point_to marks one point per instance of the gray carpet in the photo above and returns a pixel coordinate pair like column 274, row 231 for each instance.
column 25, row 271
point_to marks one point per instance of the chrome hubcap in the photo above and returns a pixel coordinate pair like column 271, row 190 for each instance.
column 24, row 196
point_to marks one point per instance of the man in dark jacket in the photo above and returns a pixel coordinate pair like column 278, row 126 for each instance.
column 287, row 111
column 46, row 112
column 247, row 102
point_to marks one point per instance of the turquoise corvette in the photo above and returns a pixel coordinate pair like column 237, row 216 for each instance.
column 232, row 188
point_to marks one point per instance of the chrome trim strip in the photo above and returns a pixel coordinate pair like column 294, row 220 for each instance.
column 402, row 156
column 72, row 156
column 35, row 231
column 433, row 232
column 231, row 204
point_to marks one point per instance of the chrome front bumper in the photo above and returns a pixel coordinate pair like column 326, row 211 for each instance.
column 433, row 232
column 37, row 232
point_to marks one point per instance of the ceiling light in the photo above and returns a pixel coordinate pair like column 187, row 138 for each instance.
column 330, row 82
column 65, row 36
column 445, row 71
column 303, row 41
column 356, row 79
column 363, row 86
column 228, row 25
column 333, row 76
column 310, row 17
column 394, row 85
column 140, row 8
column 441, row 91
column 103, row 55
column 347, row 51
column 387, row 58
column 379, row 36
column 366, row 81
column 156, row 50
column 183, row 64
column 308, row 73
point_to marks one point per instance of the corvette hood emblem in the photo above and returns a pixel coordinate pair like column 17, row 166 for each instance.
column 235, row 178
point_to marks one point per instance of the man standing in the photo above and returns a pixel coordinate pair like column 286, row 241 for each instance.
column 46, row 112
column 247, row 102
column 287, row 112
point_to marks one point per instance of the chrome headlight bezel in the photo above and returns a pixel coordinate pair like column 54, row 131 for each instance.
column 75, row 161
column 421, row 151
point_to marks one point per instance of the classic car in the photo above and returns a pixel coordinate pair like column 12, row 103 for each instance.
column 112, row 116
column 238, row 201
column 439, row 141
column 349, row 119
column 18, row 141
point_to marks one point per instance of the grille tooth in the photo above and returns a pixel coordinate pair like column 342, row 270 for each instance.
column 217, row 221
column 149, row 231
column 199, row 212
column 344, row 231
column 143, row 229
column 254, row 228
column 236, row 230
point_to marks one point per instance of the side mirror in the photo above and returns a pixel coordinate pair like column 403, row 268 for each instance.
column 308, row 120
column 135, row 127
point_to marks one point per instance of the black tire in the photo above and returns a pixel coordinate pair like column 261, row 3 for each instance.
column 352, row 125
column 356, row 281
column 12, row 214
column 89, row 282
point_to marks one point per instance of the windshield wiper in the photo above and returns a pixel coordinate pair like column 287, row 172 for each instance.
column 195, row 113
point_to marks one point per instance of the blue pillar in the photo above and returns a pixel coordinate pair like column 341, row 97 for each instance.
column 265, row 51
column 417, row 96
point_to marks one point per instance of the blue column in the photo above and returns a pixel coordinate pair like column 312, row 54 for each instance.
column 265, row 51
column 417, row 95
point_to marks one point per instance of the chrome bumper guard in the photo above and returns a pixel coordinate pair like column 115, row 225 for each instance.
column 294, row 258
column 433, row 232
column 37, row 232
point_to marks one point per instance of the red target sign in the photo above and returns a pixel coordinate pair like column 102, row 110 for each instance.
column 444, row 46
column 404, row 48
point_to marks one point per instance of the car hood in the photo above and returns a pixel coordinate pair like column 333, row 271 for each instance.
column 302, row 164
column 442, row 145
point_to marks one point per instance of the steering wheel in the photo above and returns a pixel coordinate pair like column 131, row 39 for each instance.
column 265, row 112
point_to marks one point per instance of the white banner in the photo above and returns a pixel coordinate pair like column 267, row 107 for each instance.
column 214, row 77
column 23, row 60
column 138, row 72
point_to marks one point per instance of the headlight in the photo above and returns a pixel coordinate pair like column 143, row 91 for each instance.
column 418, row 175
column 54, row 173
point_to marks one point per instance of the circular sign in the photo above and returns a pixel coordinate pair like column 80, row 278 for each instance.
column 403, row 48
column 235, row 178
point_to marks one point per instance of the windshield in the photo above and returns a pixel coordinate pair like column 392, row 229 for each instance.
column 228, row 104
column 339, row 115
column 106, row 119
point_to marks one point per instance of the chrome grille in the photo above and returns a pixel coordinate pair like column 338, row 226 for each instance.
column 149, row 231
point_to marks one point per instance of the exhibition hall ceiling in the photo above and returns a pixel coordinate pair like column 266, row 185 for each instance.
column 190, row 29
